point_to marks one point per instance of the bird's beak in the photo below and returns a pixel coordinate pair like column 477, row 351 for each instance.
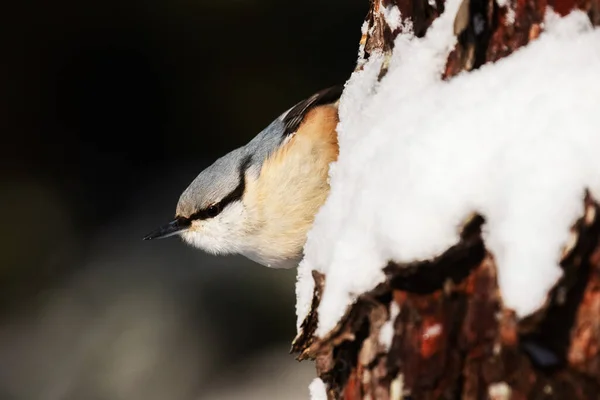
column 174, row 227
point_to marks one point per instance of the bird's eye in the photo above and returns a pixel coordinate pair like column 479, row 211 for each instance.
column 213, row 211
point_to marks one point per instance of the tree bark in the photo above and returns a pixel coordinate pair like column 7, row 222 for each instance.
column 453, row 339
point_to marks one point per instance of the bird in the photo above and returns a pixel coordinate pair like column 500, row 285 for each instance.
column 260, row 200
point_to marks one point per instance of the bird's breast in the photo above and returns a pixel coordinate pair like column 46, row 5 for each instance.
column 289, row 190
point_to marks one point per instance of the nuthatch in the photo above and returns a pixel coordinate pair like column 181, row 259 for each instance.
column 260, row 200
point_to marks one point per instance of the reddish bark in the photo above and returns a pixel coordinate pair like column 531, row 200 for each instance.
column 453, row 339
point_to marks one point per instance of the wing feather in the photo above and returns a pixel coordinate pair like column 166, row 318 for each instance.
column 294, row 116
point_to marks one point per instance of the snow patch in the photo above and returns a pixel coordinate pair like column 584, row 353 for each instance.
column 432, row 331
column 499, row 391
column 510, row 11
column 391, row 14
column 364, row 29
column 510, row 16
column 361, row 48
column 386, row 334
column 317, row 390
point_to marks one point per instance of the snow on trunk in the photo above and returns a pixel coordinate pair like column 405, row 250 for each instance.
column 457, row 255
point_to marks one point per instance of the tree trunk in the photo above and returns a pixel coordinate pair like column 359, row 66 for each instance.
column 452, row 337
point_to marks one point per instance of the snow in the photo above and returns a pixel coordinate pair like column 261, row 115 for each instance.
column 432, row 331
column 386, row 334
column 510, row 16
column 391, row 14
column 510, row 11
column 499, row 391
column 516, row 141
column 317, row 390
column 361, row 48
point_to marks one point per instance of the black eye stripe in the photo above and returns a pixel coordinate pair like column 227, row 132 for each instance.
column 236, row 194
column 208, row 212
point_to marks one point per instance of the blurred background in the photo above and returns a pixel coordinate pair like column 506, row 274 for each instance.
column 107, row 111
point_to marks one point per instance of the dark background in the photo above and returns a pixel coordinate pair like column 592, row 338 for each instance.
column 107, row 111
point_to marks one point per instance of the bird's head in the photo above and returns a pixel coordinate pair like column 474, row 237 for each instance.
column 210, row 213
